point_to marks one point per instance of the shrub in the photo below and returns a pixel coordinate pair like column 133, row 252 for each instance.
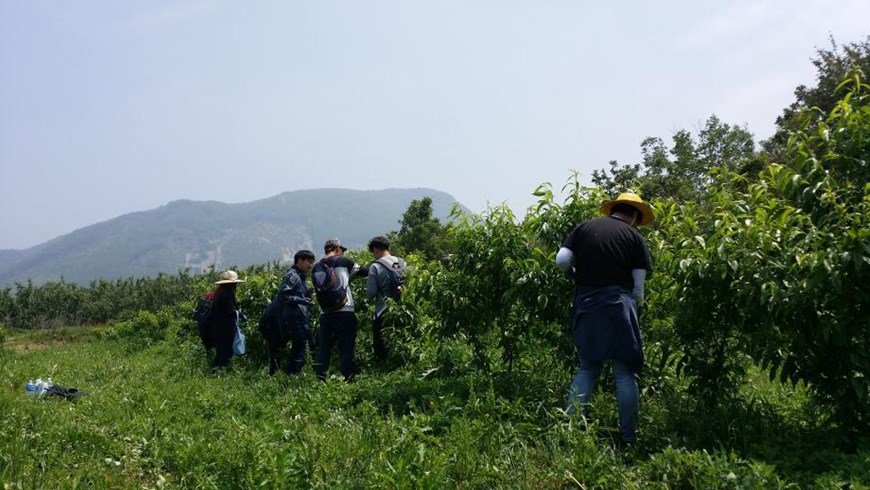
column 144, row 328
column 678, row 468
column 778, row 272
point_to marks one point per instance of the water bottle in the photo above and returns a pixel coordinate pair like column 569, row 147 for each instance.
column 30, row 389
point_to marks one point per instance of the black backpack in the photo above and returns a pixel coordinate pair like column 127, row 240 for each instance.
column 202, row 316
column 396, row 274
column 331, row 294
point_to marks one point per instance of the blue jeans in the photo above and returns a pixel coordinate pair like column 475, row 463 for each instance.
column 627, row 394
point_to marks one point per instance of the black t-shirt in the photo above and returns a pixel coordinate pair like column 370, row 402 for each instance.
column 605, row 251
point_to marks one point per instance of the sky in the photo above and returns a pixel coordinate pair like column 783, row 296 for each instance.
column 110, row 107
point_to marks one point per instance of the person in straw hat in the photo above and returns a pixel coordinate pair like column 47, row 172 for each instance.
column 223, row 317
column 609, row 261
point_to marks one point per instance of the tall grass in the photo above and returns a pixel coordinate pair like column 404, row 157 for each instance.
column 158, row 418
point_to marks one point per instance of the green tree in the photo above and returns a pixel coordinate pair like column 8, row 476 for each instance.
column 685, row 170
column 617, row 178
column 421, row 232
column 778, row 271
column 832, row 67
column 501, row 288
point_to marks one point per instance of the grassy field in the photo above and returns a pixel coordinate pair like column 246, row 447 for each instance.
column 156, row 417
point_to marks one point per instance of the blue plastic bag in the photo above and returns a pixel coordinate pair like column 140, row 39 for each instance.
column 239, row 348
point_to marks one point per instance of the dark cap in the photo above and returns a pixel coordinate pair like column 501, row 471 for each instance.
column 332, row 244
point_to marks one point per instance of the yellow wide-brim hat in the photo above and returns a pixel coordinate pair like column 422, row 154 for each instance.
column 229, row 277
column 634, row 201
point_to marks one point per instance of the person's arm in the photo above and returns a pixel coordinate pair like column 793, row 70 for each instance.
column 354, row 269
column 639, row 276
column 565, row 260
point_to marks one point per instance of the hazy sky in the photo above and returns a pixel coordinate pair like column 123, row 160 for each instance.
column 109, row 107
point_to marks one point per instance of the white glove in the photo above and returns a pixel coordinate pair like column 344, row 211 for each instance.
column 639, row 275
column 637, row 292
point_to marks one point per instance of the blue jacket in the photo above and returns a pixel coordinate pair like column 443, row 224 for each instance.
column 295, row 295
column 289, row 310
column 606, row 325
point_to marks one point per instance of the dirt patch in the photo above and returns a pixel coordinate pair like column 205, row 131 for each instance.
column 25, row 340
column 26, row 345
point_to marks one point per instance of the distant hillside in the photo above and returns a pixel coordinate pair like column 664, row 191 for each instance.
column 199, row 234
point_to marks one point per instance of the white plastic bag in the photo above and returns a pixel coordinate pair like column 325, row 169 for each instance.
column 239, row 348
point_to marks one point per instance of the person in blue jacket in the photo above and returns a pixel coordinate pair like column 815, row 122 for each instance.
column 609, row 261
column 286, row 319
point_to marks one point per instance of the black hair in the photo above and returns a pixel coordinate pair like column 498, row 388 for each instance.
column 303, row 255
column 627, row 209
column 227, row 290
column 380, row 243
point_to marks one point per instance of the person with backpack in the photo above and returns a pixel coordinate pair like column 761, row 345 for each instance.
column 286, row 317
column 338, row 325
column 386, row 280
column 609, row 261
column 224, row 317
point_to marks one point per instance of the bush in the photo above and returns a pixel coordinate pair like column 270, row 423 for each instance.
column 777, row 273
column 144, row 328
column 677, row 468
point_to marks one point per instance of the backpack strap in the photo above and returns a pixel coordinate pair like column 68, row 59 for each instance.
column 394, row 278
column 387, row 265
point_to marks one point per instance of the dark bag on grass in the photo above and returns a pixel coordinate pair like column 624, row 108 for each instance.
column 65, row 393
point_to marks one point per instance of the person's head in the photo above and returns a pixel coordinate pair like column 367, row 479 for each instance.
column 228, row 282
column 634, row 215
column 333, row 246
column 304, row 260
column 630, row 207
column 379, row 246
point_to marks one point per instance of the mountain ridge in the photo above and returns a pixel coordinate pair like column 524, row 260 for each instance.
column 195, row 235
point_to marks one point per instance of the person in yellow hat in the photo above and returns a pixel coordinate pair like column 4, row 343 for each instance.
column 609, row 261
column 224, row 317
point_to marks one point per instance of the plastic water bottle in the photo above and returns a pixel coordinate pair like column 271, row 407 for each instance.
column 30, row 389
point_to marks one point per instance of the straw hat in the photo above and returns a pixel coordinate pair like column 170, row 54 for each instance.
column 634, row 201
column 229, row 277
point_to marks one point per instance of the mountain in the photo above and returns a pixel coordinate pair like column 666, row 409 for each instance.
column 199, row 234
